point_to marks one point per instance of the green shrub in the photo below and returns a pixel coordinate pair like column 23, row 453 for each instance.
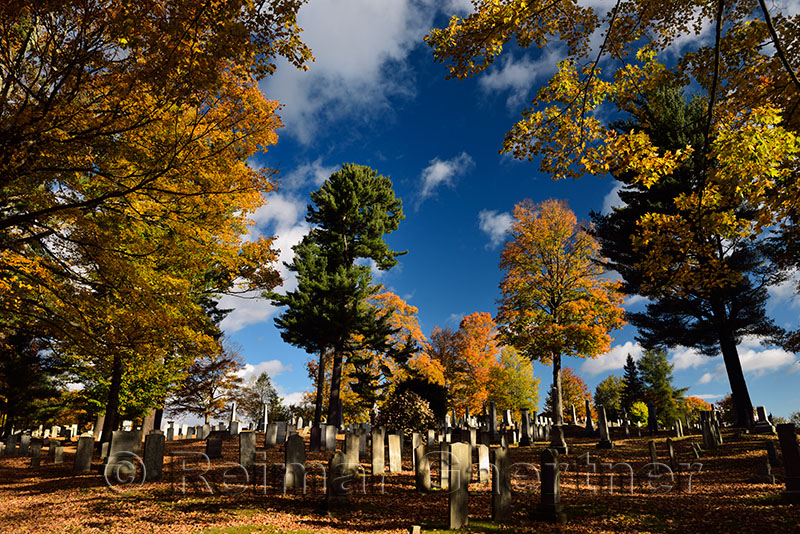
column 639, row 412
column 406, row 412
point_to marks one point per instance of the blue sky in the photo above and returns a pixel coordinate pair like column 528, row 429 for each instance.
column 374, row 96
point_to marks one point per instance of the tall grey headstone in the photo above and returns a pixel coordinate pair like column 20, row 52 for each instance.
column 153, row 455
column 271, row 436
column 247, row 449
column 280, row 437
column 378, row 452
column 422, row 469
column 122, row 453
column 395, row 454
column 351, row 449
column 652, row 417
column 589, row 425
column 36, row 452
column 501, row 485
column 295, row 459
column 24, row 444
column 330, row 438
column 460, row 473
column 550, row 509
column 83, row 456
column 416, row 441
column 58, row 454
column 653, row 455
column 492, row 419
column 602, row 423
column 484, row 469
column 574, row 415
column 339, row 480
column 787, row 436
column 444, row 465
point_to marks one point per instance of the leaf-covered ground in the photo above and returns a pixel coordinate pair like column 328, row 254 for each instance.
column 724, row 495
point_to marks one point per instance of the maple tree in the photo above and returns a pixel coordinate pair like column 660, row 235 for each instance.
column 512, row 384
column 555, row 301
column 329, row 312
column 693, row 406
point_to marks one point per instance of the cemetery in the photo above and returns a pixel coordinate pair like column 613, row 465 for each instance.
column 399, row 266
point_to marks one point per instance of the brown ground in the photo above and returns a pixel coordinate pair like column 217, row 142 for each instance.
column 723, row 498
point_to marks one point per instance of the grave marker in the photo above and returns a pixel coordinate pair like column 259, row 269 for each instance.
column 459, row 476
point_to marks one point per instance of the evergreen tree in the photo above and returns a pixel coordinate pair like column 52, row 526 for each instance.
column 702, row 311
column 656, row 372
column 328, row 314
column 608, row 394
column 632, row 389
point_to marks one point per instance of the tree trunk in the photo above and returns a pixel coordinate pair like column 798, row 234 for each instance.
column 336, row 382
column 112, row 407
column 557, row 441
column 320, row 387
column 742, row 406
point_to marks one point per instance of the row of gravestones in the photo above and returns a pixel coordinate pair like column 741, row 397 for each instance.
column 32, row 446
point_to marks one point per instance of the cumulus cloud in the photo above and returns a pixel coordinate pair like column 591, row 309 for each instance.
column 706, row 378
column 613, row 359
column 634, row 300
column 496, row 225
column 442, row 173
column 272, row 367
column 756, row 361
column 289, row 399
column 612, row 200
column 785, row 293
column 309, row 173
column 708, row 396
column 360, row 47
column 519, row 75
column 687, row 358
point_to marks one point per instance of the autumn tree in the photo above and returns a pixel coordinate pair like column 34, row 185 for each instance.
column 608, row 394
column 212, row 382
column 574, row 392
column 555, row 301
column 512, row 385
column 743, row 147
column 693, row 406
column 329, row 312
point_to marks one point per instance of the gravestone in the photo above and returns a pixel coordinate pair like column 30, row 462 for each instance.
column 525, row 440
column 652, row 418
column 673, row 464
column 339, row 481
column 271, row 436
column 171, row 431
column 395, row 465
column 330, row 438
column 602, row 423
column 36, row 452
column 24, row 444
column 444, row 465
column 574, row 415
column 422, row 469
column 764, row 471
column 762, row 424
column 295, row 460
column 501, row 485
column 550, row 509
column 416, row 441
column 214, row 447
column 315, row 441
column 653, row 455
column 11, row 445
column 492, row 420
column 83, row 456
column 430, row 441
column 787, row 436
column 484, row 469
column 772, row 454
column 280, row 437
column 247, row 449
column 234, row 428
column 378, row 451
column 58, row 455
column 351, row 446
column 589, row 425
column 460, row 472
column 154, row 455
column 122, row 452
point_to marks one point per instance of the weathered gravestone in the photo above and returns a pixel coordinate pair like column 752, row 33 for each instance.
column 602, row 423
column 280, row 437
column 351, row 449
column 58, row 454
column 673, row 463
column 330, row 438
column 763, row 473
column 653, row 455
column 271, row 436
column 295, row 460
column 431, row 439
column 589, row 425
column 24, row 444
column 36, row 452
column 395, row 458
column 772, row 454
column 574, row 415
column 340, row 481
column 422, row 469
column 652, row 418
column 492, row 420
column 460, row 472
column 550, row 509
column 11, row 444
column 315, row 441
column 501, row 485
column 416, row 441
column 214, row 446
column 154, row 455
column 787, row 436
column 83, row 456
column 444, row 465
column 122, row 455
column 525, row 441
column 378, row 451
column 762, row 424
column 484, row 469
column 247, row 449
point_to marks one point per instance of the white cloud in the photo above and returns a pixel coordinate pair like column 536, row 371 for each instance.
column 519, row 76
column 613, row 359
column 785, row 293
column 442, row 172
column 310, row 172
column 496, row 225
column 708, row 396
column 706, row 378
column 272, row 367
column 686, row 358
column 294, row 397
column 360, row 47
column 458, row 7
column 634, row 300
column 756, row 361
column 455, row 318
column 612, row 200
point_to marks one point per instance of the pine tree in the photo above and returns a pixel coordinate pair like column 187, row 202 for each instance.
column 632, row 389
column 656, row 373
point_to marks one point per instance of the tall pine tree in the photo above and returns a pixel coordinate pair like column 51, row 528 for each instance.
column 632, row 389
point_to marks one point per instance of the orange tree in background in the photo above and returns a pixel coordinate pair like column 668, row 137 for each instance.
column 124, row 188
column 574, row 391
column 555, row 301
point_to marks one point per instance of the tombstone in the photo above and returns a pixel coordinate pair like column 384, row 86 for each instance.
column 501, row 485
column 673, row 464
column 171, row 431
column 378, row 451
column 271, row 436
column 710, row 436
column 214, row 447
column 330, row 438
column 184, row 431
column 362, row 441
column 339, row 481
column 247, row 449
column 154, row 455
column 11, row 444
column 430, row 441
column 295, row 460
column 492, row 420
column 589, row 425
column 507, row 418
column 653, row 455
column 280, row 436
column 51, row 448
column 233, row 417
column 652, row 418
column 787, row 436
column 83, row 456
column 36, row 452
column 234, row 428
column 762, row 424
column 124, row 447
column 602, row 423
column 459, row 476
column 416, row 441
column 484, row 469
column 351, row 447
column 626, row 426
column 395, row 465
column 550, row 509
column 574, row 415
column 772, row 454
column 58, row 454
column 764, row 471
column 422, row 469
column 24, row 444
column 678, row 428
